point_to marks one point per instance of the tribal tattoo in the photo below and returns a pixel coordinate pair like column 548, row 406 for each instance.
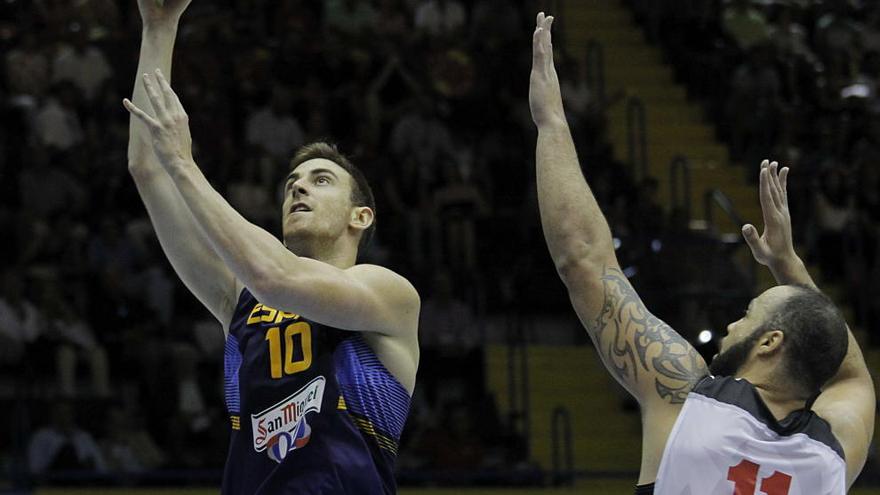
column 632, row 342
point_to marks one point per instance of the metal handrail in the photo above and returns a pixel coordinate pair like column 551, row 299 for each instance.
column 595, row 64
column 518, row 377
column 680, row 167
column 563, row 462
column 637, row 138
column 717, row 197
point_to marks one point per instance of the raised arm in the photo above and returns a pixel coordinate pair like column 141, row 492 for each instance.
column 365, row 298
column 653, row 362
column 847, row 401
column 195, row 262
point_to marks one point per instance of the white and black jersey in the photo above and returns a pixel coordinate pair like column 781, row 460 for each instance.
column 726, row 442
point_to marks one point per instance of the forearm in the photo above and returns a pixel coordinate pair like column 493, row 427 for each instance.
column 253, row 255
column 157, row 47
column 574, row 226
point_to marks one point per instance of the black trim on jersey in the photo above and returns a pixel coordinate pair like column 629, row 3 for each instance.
column 645, row 489
column 739, row 392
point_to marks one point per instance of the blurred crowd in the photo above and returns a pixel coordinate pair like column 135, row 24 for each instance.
column 108, row 364
column 797, row 81
column 111, row 365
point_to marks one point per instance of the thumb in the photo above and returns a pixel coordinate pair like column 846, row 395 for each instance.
column 750, row 234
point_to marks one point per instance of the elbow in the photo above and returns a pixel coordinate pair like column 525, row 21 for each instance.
column 580, row 259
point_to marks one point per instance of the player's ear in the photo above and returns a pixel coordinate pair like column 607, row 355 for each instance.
column 770, row 342
column 361, row 217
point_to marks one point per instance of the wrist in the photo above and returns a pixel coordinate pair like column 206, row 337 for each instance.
column 553, row 124
column 179, row 168
column 160, row 27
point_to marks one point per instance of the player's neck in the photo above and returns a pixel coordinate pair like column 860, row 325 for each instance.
column 778, row 397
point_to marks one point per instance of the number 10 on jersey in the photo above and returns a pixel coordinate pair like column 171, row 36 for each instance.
column 291, row 362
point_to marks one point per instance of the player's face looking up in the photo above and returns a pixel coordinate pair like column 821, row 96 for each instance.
column 318, row 204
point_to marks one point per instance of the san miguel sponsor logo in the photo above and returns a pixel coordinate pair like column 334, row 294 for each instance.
column 285, row 416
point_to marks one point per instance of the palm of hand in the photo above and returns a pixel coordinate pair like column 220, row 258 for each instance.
column 545, row 99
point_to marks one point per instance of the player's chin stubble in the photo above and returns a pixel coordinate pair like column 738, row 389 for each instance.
column 727, row 363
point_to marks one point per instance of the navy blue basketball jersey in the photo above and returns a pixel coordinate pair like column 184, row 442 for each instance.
column 312, row 408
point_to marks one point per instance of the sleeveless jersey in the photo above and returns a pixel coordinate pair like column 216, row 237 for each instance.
column 726, row 442
column 312, row 408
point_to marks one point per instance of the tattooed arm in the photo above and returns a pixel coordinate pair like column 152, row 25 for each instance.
column 653, row 362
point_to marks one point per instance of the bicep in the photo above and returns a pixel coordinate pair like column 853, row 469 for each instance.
column 849, row 407
column 363, row 298
column 650, row 359
column 193, row 259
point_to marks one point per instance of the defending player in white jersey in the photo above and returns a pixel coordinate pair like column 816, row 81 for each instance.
column 788, row 408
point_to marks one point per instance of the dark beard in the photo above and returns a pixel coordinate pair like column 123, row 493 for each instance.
column 730, row 361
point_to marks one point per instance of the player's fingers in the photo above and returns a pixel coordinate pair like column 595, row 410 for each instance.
column 169, row 98
column 750, row 234
column 137, row 112
column 537, row 50
column 156, row 100
column 775, row 188
column 783, row 179
column 548, row 43
column 764, row 195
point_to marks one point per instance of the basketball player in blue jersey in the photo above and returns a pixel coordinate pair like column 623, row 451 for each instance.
column 786, row 407
column 321, row 352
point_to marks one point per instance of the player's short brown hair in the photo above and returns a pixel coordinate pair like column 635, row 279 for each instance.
column 361, row 194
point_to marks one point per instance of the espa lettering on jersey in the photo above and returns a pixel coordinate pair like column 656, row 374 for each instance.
column 264, row 314
column 282, row 428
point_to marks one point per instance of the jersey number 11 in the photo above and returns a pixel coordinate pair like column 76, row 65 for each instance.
column 745, row 475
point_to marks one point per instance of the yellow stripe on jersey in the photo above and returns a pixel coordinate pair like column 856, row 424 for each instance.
column 236, row 422
column 341, row 404
column 366, row 426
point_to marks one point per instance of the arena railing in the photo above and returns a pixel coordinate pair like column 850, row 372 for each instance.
column 518, row 377
column 636, row 138
column 680, row 185
column 563, row 473
column 595, row 64
column 716, row 198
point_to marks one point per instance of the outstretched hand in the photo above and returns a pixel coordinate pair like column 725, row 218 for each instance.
column 172, row 142
column 545, row 98
column 775, row 243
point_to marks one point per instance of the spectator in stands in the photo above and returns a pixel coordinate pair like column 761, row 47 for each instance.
column 835, row 212
column 63, row 446
column 20, row 320
column 82, row 64
column 56, row 123
column 27, row 69
column 349, row 17
column 440, row 18
column 73, row 341
column 754, row 105
column 127, row 446
column 275, row 131
column 745, row 24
